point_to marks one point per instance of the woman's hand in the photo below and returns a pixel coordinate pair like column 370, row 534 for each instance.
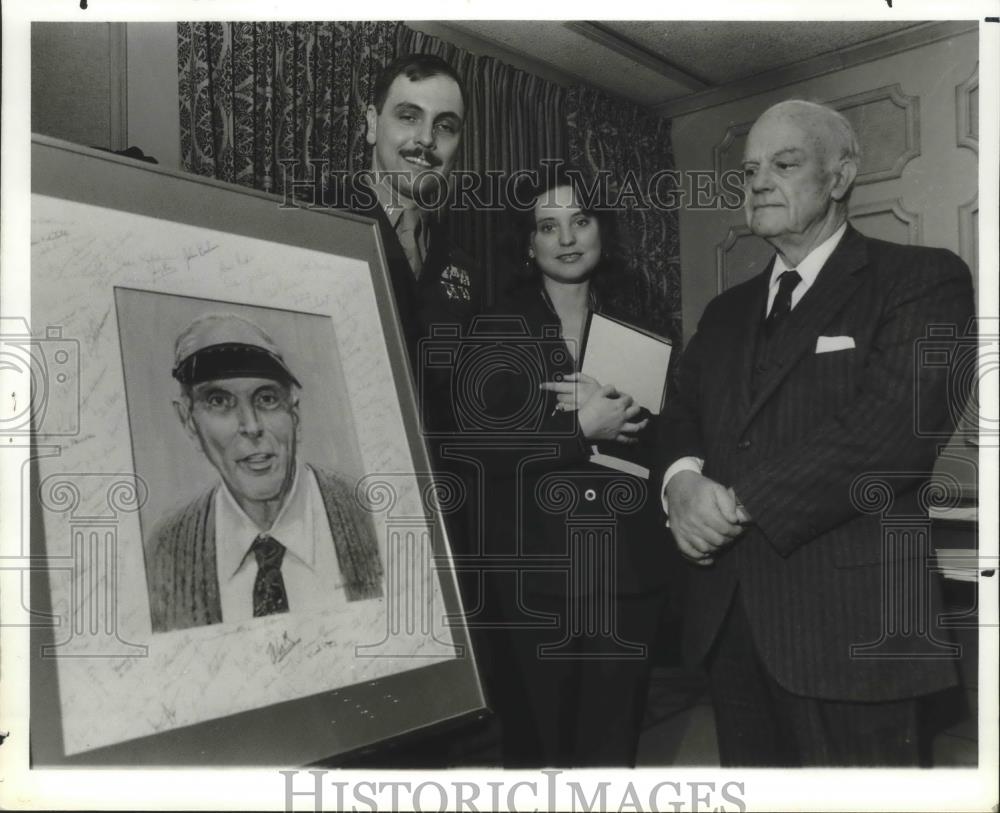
column 573, row 391
column 610, row 415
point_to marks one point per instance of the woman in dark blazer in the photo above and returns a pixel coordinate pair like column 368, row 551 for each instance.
column 588, row 557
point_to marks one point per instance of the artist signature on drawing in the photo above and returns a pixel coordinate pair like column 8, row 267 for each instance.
column 53, row 235
column 200, row 250
column 279, row 651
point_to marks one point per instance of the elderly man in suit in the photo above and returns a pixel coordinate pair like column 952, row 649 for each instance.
column 797, row 383
column 276, row 535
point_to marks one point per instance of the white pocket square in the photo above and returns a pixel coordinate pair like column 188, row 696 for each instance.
column 831, row 344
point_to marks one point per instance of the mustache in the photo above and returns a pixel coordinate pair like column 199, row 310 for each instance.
column 424, row 155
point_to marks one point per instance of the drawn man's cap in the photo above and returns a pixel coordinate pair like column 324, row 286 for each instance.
column 224, row 345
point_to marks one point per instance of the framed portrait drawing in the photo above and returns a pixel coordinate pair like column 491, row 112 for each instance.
column 213, row 363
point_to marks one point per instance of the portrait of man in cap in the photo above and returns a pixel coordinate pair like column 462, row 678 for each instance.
column 275, row 534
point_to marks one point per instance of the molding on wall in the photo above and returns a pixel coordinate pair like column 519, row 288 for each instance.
column 895, row 207
column 966, row 135
column 722, row 249
column 733, row 131
column 117, row 86
column 894, row 93
column 967, row 237
column 896, row 43
column 911, row 107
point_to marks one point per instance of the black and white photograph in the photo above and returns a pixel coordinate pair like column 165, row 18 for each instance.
column 576, row 408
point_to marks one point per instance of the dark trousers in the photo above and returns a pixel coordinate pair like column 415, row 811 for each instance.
column 568, row 699
column 759, row 723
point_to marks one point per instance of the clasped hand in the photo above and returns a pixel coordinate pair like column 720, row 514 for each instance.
column 602, row 411
column 705, row 516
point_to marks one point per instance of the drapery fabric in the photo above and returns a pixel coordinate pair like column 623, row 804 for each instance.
column 255, row 94
column 258, row 98
column 633, row 145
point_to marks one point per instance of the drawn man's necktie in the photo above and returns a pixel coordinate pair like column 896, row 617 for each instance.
column 783, row 299
column 269, row 587
column 408, row 229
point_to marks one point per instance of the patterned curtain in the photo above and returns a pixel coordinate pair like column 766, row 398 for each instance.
column 514, row 120
column 623, row 138
column 255, row 94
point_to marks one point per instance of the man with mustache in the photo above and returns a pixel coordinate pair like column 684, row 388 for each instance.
column 415, row 124
column 276, row 535
column 797, row 385
column 415, row 127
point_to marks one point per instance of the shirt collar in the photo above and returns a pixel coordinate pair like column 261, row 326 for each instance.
column 813, row 262
column 235, row 532
column 392, row 202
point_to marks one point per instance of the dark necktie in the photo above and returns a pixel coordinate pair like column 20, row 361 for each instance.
column 269, row 587
column 408, row 230
column 783, row 299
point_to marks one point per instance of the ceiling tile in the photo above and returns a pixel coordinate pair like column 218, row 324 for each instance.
column 726, row 51
column 666, row 52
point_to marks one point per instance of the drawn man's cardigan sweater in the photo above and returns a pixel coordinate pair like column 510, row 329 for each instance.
column 184, row 584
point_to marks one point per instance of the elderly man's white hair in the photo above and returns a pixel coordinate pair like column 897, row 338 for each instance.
column 838, row 127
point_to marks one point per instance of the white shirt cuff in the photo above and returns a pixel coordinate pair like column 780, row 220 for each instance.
column 695, row 464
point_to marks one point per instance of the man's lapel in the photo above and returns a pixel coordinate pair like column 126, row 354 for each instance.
column 836, row 283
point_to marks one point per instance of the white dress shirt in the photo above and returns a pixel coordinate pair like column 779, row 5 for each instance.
column 309, row 568
column 808, row 270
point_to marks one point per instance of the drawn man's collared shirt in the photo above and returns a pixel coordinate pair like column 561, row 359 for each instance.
column 312, row 577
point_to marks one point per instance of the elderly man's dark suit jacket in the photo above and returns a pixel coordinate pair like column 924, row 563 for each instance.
column 791, row 432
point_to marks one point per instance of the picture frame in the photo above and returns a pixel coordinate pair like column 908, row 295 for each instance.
column 124, row 254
